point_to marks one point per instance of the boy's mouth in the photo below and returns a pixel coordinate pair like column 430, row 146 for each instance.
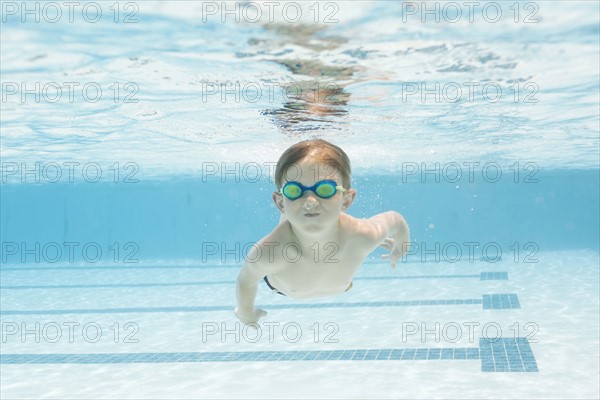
column 311, row 215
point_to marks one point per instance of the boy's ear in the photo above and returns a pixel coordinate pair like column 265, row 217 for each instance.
column 348, row 198
column 278, row 200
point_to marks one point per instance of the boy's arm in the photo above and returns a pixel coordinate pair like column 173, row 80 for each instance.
column 388, row 225
column 246, row 288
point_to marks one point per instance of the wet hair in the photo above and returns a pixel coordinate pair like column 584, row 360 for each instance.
column 322, row 152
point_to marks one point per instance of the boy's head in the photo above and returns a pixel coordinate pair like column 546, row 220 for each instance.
column 308, row 163
column 325, row 155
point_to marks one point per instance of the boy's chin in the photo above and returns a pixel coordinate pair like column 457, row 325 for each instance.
column 315, row 219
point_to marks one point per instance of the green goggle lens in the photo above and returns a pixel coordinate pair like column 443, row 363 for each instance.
column 292, row 191
column 325, row 190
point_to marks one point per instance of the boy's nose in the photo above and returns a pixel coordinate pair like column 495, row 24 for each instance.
column 311, row 201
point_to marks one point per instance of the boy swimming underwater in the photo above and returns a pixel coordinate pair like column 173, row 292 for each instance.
column 317, row 248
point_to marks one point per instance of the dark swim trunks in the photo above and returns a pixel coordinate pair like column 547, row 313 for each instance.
column 275, row 290
column 272, row 288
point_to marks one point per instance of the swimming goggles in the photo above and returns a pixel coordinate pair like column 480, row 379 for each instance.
column 324, row 189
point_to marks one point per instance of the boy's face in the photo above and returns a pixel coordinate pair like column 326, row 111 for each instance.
column 310, row 211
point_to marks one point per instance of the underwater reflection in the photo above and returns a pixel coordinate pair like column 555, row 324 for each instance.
column 319, row 102
column 311, row 105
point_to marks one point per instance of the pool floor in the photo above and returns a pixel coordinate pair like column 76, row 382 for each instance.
column 424, row 330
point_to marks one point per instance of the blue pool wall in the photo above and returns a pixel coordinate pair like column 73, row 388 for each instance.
column 180, row 218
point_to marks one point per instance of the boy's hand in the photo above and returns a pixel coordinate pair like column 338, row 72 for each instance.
column 396, row 250
column 250, row 318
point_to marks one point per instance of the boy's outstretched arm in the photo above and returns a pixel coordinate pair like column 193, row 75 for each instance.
column 246, row 288
column 390, row 231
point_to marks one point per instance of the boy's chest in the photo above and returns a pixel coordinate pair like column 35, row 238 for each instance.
column 323, row 268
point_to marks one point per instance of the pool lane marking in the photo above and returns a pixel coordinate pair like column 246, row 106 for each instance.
column 488, row 301
column 496, row 355
column 483, row 276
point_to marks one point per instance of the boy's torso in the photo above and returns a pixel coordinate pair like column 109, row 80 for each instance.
column 323, row 269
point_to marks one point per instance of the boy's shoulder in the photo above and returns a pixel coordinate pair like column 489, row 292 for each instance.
column 356, row 226
column 361, row 232
column 281, row 234
column 266, row 252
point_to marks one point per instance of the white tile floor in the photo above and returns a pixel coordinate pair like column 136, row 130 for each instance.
column 559, row 308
